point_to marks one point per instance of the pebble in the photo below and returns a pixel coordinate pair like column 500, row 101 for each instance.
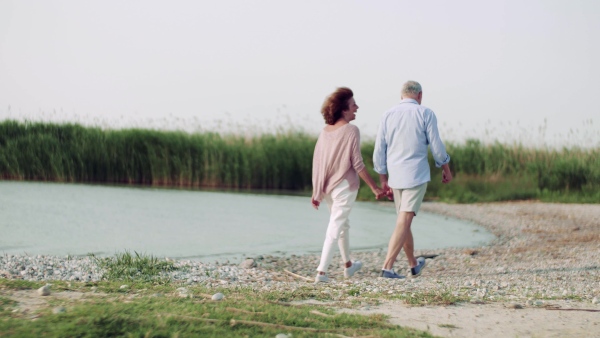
column 44, row 290
column 59, row 309
column 217, row 296
column 248, row 264
column 517, row 265
column 183, row 292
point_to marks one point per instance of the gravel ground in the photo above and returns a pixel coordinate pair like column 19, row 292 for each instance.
column 542, row 251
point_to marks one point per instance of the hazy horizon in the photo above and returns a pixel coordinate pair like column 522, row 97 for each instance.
column 508, row 71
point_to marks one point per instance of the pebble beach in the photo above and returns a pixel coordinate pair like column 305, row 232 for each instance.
column 542, row 251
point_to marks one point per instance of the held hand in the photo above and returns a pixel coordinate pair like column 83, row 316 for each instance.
column 389, row 194
column 315, row 204
column 379, row 193
column 446, row 176
column 388, row 191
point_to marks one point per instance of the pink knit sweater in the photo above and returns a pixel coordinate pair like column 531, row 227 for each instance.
column 336, row 157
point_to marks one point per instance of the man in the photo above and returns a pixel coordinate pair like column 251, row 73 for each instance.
column 404, row 134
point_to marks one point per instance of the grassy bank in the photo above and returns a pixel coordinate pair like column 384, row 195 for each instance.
column 140, row 305
column 146, row 310
column 73, row 153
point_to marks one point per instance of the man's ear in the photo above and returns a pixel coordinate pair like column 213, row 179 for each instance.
column 420, row 97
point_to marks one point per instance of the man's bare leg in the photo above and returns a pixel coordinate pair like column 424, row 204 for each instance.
column 400, row 236
column 409, row 250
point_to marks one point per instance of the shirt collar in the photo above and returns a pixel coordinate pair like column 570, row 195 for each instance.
column 409, row 101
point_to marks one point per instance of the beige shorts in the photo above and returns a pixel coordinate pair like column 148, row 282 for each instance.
column 409, row 199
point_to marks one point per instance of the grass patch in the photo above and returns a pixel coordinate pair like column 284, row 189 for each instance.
column 431, row 298
column 6, row 303
column 129, row 267
column 15, row 284
column 242, row 313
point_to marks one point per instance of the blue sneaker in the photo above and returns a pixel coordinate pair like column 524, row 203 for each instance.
column 390, row 274
column 416, row 271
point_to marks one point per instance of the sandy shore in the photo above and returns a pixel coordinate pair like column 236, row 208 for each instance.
column 538, row 278
column 545, row 260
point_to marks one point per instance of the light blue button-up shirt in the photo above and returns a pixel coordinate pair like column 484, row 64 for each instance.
column 401, row 145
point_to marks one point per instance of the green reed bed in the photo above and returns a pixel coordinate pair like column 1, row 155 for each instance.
column 281, row 161
column 73, row 153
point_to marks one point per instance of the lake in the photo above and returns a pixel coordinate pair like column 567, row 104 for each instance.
column 78, row 219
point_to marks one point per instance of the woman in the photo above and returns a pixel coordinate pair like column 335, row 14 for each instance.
column 337, row 164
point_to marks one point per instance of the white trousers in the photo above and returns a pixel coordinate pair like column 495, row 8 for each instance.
column 340, row 202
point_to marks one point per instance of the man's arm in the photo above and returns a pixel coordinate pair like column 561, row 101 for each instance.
column 380, row 151
column 383, row 180
column 446, row 173
column 438, row 149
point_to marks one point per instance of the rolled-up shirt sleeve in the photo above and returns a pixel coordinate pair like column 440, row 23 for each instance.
column 438, row 149
column 380, row 152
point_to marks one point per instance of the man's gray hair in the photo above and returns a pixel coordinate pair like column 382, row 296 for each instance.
column 411, row 87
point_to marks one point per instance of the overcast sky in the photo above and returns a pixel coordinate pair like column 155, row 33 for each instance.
column 489, row 69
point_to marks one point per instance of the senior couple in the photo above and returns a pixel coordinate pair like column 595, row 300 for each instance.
column 400, row 158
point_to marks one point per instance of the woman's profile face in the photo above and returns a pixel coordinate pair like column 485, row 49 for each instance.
column 350, row 114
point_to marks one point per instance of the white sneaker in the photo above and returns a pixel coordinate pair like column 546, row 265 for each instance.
column 321, row 278
column 349, row 272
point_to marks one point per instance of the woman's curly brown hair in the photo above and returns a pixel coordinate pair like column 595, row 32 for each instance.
column 335, row 104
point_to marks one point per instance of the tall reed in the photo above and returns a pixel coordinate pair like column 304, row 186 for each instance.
column 279, row 161
column 72, row 153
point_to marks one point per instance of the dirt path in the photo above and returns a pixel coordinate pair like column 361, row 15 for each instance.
column 493, row 320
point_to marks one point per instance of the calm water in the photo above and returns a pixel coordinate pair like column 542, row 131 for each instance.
column 76, row 219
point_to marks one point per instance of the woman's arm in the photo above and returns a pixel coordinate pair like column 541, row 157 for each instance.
column 371, row 183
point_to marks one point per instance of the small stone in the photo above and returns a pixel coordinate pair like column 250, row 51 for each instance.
column 282, row 335
column 124, row 286
column 538, row 303
column 248, row 263
column 471, row 252
column 217, row 296
column 183, row 292
column 59, row 309
column 595, row 300
column 44, row 290
column 516, row 306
